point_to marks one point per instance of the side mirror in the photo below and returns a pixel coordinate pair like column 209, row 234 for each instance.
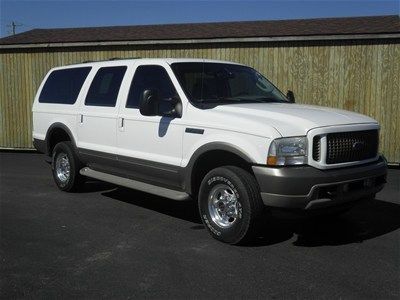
column 171, row 107
column 149, row 103
column 290, row 96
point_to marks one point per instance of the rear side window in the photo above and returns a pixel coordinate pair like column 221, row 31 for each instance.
column 63, row 86
column 150, row 77
column 105, row 86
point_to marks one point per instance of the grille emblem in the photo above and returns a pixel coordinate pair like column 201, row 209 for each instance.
column 358, row 146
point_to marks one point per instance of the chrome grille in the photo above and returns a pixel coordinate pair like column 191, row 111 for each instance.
column 351, row 146
column 316, row 148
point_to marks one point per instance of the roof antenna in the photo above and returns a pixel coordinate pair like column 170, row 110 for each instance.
column 14, row 25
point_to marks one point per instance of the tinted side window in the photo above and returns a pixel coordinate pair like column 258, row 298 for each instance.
column 150, row 78
column 63, row 86
column 105, row 86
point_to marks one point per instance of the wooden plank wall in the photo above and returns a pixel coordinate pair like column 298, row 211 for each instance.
column 361, row 76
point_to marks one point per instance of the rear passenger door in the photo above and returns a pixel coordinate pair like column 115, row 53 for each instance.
column 150, row 147
column 97, row 121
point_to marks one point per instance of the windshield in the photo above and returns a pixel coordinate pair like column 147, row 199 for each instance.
column 225, row 83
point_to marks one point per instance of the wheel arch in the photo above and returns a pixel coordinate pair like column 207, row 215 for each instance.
column 210, row 156
column 58, row 132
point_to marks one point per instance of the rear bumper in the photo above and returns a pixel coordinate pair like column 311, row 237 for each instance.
column 308, row 188
column 40, row 145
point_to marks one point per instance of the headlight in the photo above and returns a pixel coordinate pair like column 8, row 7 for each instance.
column 288, row 151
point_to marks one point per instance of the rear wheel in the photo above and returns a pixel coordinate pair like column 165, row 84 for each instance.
column 65, row 167
column 230, row 204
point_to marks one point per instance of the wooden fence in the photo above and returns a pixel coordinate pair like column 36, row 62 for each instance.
column 361, row 76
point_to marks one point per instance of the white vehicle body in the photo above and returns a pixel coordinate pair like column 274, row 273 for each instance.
column 171, row 145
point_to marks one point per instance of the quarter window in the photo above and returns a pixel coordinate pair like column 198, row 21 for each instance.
column 63, row 86
column 105, row 86
column 150, row 77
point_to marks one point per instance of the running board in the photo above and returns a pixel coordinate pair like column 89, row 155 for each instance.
column 137, row 185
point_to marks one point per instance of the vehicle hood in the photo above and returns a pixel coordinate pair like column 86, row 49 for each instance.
column 288, row 119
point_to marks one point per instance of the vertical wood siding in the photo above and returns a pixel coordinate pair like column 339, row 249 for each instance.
column 357, row 76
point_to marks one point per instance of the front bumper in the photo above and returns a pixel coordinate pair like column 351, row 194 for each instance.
column 306, row 187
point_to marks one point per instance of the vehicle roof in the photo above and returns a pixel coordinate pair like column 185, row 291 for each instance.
column 118, row 61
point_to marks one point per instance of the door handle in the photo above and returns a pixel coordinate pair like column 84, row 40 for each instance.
column 121, row 122
column 81, row 119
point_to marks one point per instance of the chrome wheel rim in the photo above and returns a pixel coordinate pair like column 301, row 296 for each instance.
column 62, row 167
column 223, row 206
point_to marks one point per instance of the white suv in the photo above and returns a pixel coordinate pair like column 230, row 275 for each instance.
column 215, row 131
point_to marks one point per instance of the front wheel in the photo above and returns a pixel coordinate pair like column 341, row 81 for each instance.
column 230, row 204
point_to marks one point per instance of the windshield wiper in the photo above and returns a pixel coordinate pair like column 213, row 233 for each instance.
column 269, row 99
column 217, row 100
column 230, row 100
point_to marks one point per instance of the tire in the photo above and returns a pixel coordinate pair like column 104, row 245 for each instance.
column 65, row 167
column 230, row 204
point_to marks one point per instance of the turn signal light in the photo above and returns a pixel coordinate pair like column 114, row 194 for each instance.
column 272, row 160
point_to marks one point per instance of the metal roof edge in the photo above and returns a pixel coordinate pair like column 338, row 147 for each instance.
column 209, row 41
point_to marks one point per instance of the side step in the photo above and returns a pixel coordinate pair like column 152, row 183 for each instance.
column 137, row 185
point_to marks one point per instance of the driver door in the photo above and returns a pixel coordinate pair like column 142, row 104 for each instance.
column 150, row 147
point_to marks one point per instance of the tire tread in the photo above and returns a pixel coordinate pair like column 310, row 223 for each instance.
column 248, row 230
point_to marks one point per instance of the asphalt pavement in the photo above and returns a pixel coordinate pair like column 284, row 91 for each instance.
column 112, row 242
